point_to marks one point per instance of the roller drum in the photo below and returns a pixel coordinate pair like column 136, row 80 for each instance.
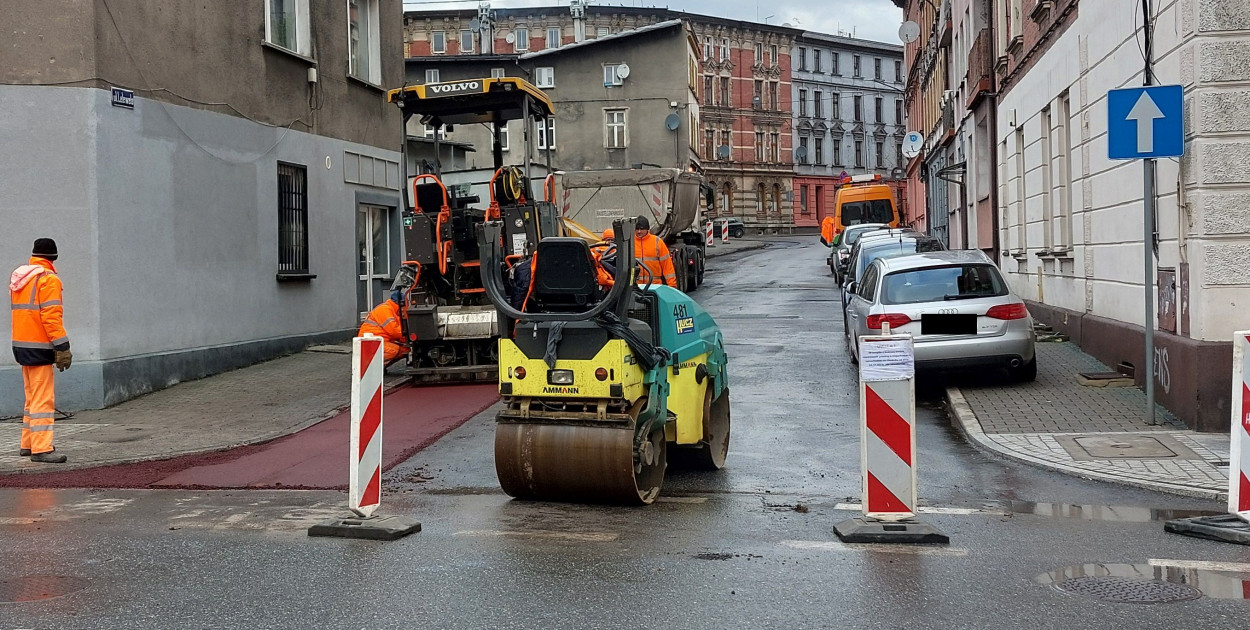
column 579, row 463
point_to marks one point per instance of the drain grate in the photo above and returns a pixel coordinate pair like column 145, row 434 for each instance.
column 31, row 588
column 1128, row 590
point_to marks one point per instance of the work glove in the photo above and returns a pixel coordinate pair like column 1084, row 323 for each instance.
column 63, row 359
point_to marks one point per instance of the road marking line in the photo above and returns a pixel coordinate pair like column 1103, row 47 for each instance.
column 545, row 534
column 1201, row 565
column 912, row 550
column 856, row 507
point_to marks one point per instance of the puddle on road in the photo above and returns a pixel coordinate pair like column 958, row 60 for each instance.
column 1215, row 584
column 1117, row 513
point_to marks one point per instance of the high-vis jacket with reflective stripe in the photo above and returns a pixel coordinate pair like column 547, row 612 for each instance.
column 37, row 314
column 383, row 321
column 653, row 253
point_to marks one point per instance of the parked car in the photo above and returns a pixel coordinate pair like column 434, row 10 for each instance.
column 736, row 228
column 956, row 306
column 841, row 251
column 878, row 244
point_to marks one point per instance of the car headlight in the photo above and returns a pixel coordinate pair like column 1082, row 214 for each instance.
column 560, row 377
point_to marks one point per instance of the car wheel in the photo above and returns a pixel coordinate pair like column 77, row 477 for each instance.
column 738, row 233
column 846, row 324
column 852, row 348
column 1026, row 373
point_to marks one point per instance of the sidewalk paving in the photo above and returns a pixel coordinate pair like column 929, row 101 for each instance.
column 1091, row 432
column 244, row 406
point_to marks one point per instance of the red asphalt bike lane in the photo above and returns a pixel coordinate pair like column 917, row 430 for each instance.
column 312, row 459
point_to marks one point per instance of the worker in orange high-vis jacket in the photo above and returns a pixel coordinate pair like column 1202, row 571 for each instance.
column 39, row 342
column 827, row 228
column 653, row 254
column 384, row 321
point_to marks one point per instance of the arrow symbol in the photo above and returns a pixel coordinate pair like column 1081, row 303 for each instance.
column 1145, row 112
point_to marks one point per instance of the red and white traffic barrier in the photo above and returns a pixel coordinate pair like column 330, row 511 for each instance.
column 887, row 404
column 1239, row 468
column 724, row 231
column 708, row 236
column 364, row 488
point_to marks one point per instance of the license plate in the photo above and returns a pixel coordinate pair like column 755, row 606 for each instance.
column 948, row 324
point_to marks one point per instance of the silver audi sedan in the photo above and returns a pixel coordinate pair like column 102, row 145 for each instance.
column 956, row 306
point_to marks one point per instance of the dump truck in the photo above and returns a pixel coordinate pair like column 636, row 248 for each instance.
column 670, row 198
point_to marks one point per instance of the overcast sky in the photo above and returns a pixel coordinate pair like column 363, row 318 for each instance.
column 868, row 19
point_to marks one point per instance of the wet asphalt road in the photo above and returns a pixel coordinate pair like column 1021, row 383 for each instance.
column 750, row 546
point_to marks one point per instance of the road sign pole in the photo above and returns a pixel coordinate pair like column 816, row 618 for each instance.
column 1148, row 176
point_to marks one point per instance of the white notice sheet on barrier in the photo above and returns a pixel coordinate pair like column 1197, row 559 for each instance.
column 886, row 359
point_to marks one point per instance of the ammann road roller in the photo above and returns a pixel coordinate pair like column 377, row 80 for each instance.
column 602, row 386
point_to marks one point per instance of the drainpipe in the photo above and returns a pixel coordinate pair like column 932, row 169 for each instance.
column 996, row 252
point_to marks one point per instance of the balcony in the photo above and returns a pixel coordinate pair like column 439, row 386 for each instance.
column 980, row 77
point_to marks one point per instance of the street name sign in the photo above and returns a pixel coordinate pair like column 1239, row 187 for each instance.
column 1145, row 122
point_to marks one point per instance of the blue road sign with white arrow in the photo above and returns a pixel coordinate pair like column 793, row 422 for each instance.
column 1146, row 122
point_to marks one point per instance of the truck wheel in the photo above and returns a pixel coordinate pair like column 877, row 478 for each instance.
column 702, row 266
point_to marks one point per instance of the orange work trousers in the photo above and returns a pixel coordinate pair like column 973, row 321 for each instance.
column 40, row 408
column 393, row 351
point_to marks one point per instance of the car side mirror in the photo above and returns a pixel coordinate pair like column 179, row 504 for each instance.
column 853, row 287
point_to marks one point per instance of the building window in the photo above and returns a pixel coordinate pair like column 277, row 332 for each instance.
column 898, row 112
column 803, row 152
column 776, row 203
column 803, row 199
column 438, row 42
column 724, row 92
column 521, row 39
column 820, row 149
column 546, row 130
column 855, row 67
column 898, row 72
column 775, row 154
column 724, row 49
column 431, row 76
column 876, row 68
column 707, row 90
column 759, row 53
column 759, row 199
column 363, row 41
column 611, row 76
column 553, row 37
column 287, row 25
column 602, row 31
column 759, row 146
column 709, row 49
column 758, row 100
column 466, row 42
column 1063, row 183
column 772, row 95
column 727, row 139
column 835, row 106
column 877, row 110
column 772, row 54
column 616, row 128
column 545, row 77
column 709, row 144
column 292, row 219
column 816, row 59
column 837, row 151
column 802, row 102
column 898, row 154
column 859, row 107
column 818, row 107
column 504, row 137
column 859, row 153
column 880, row 154
column 802, row 59
column 497, row 73
column 833, row 64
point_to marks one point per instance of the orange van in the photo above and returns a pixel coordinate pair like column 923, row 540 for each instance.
column 864, row 199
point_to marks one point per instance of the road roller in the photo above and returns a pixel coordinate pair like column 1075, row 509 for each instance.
column 602, row 382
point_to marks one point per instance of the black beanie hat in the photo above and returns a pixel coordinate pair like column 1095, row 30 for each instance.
column 641, row 223
column 44, row 248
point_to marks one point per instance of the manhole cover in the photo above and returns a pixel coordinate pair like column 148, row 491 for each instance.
column 1128, row 590
column 1124, row 446
column 32, row 588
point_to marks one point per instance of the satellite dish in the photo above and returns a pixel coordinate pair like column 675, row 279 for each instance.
column 722, row 152
column 800, row 153
column 911, row 144
column 909, row 32
column 510, row 38
column 672, row 122
column 475, row 25
column 622, row 71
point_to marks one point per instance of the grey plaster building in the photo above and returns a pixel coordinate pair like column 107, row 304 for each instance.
column 848, row 116
column 613, row 102
column 221, row 178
